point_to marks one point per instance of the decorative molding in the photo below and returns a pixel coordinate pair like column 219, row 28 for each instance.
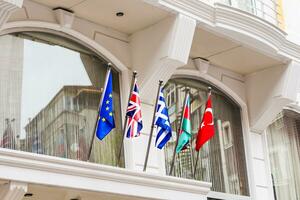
column 60, row 172
column 194, row 74
column 202, row 65
column 12, row 27
column 13, row 190
column 64, row 17
column 17, row 3
column 7, row 7
column 172, row 52
column 238, row 25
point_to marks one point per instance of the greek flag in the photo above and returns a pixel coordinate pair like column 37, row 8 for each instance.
column 162, row 121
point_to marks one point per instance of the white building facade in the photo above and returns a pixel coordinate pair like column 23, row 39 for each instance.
column 248, row 51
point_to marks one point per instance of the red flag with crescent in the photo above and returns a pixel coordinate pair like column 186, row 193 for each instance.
column 206, row 130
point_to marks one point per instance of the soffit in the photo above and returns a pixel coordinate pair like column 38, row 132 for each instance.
column 229, row 54
column 138, row 14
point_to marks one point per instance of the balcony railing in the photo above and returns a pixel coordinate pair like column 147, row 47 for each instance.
column 269, row 10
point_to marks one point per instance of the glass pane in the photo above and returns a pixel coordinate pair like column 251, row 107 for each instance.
column 283, row 137
column 221, row 160
column 50, row 89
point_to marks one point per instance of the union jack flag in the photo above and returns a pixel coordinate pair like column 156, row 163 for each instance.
column 134, row 114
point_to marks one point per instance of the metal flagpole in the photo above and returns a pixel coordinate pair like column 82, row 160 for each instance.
column 152, row 126
column 178, row 131
column 191, row 157
column 134, row 74
column 96, row 124
column 195, row 168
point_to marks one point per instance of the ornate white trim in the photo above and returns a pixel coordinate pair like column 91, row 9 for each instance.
column 48, row 27
column 65, row 18
column 6, row 8
column 241, row 26
column 59, row 172
column 13, row 190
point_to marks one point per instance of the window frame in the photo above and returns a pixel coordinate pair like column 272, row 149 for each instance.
column 92, row 47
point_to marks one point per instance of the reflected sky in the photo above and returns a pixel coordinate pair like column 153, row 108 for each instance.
column 46, row 70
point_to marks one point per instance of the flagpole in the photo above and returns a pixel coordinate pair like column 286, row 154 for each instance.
column 178, row 132
column 195, row 168
column 134, row 74
column 96, row 124
column 192, row 157
column 152, row 126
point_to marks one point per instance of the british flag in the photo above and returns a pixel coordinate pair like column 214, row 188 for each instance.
column 134, row 114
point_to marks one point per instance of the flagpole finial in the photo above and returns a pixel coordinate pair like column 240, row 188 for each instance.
column 134, row 73
column 161, row 82
column 209, row 90
column 109, row 64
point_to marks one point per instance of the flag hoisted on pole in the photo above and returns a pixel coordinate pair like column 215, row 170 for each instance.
column 105, row 118
column 179, row 131
column 134, row 113
column 161, row 121
column 206, row 130
column 133, row 81
column 185, row 128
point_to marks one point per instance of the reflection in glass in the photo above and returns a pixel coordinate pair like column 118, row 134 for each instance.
column 222, row 159
column 283, row 138
column 49, row 96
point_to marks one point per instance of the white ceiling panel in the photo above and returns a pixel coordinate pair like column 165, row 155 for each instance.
column 228, row 54
column 138, row 14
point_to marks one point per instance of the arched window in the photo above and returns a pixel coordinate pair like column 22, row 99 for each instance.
column 50, row 89
column 221, row 160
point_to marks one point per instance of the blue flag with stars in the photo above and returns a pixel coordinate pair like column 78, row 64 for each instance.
column 106, row 120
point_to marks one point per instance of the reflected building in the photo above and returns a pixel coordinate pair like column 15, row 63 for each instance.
column 11, row 70
column 63, row 128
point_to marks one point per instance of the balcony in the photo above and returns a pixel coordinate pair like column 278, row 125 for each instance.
column 269, row 10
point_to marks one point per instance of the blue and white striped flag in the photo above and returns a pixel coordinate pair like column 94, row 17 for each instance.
column 162, row 121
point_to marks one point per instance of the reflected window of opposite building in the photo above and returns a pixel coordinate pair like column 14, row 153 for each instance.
column 222, row 159
column 283, row 138
column 50, row 89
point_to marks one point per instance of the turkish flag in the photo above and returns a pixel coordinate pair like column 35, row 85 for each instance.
column 206, row 129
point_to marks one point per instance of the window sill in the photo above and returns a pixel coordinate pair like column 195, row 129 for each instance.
column 66, row 173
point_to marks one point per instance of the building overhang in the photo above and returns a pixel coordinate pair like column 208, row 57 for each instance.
column 240, row 26
column 58, row 172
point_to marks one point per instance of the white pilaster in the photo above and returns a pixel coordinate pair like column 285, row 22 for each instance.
column 261, row 171
column 157, row 52
column 7, row 7
column 13, row 191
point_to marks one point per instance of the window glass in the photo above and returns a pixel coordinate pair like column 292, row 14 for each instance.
column 50, row 89
column 222, row 159
column 283, row 138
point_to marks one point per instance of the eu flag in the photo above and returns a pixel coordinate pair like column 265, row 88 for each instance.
column 106, row 120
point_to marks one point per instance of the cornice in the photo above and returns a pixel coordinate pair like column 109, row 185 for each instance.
column 238, row 25
column 42, row 169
